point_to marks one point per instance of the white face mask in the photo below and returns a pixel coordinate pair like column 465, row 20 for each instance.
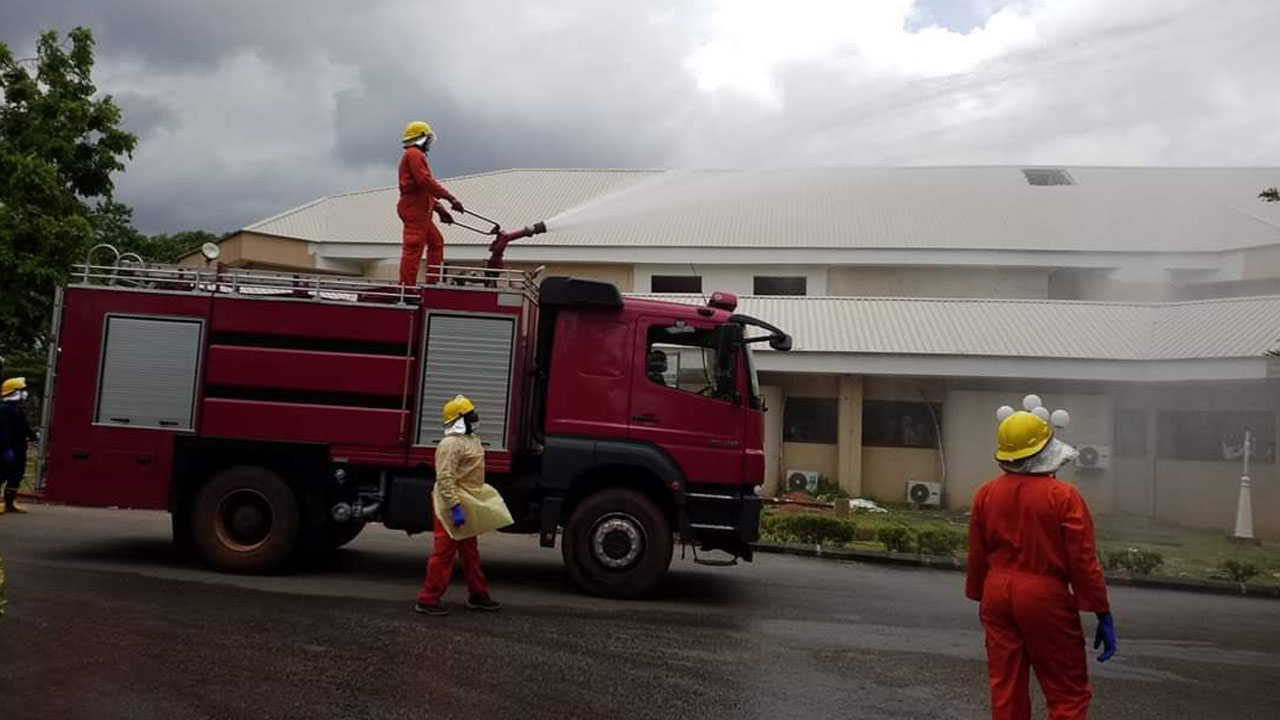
column 459, row 427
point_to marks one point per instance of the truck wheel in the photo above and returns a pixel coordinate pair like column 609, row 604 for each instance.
column 617, row 544
column 245, row 520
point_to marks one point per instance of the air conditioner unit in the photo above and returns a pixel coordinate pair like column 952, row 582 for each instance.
column 802, row 481
column 924, row 493
column 1093, row 457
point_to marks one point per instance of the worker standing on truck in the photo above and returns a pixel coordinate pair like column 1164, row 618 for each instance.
column 459, row 469
column 419, row 196
column 1034, row 567
column 15, row 433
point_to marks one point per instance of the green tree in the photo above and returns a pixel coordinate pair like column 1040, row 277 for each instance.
column 59, row 145
column 113, row 225
column 1270, row 195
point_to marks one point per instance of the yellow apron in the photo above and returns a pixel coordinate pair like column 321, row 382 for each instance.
column 460, row 480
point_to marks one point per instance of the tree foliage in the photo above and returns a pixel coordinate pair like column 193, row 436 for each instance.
column 59, row 145
column 113, row 225
column 1270, row 195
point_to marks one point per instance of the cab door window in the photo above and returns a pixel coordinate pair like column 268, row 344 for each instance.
column 689, row 359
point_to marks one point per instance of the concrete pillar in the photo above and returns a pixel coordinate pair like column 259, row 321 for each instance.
column 850, row 434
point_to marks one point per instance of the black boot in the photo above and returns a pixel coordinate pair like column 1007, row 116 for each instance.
column 11, row 501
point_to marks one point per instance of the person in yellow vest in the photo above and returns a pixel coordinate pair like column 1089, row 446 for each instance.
column 459, row 474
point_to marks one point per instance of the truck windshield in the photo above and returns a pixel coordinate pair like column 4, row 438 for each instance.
column 753, row 378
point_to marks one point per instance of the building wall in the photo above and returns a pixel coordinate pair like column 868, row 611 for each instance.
column 251, row 250
column 960, row 282
column 969, row 428
column 1198, row 493
column 620, row 275
column 885, row 470
column 818, row 457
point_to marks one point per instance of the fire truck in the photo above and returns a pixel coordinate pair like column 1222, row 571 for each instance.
column 273, row 413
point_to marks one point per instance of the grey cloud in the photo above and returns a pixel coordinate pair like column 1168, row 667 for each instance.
column 590, row 84
column 144, row 115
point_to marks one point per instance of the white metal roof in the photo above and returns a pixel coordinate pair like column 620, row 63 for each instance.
column 1040, row 329
column 1110, row 210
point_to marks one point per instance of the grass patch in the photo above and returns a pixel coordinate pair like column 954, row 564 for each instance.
column 1187, row 552
column 1133, row 545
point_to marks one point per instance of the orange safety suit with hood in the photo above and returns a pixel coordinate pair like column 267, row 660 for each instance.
column 1033, row 567
column 419, row 193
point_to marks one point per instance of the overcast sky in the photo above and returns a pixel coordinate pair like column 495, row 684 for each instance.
column 245, row 108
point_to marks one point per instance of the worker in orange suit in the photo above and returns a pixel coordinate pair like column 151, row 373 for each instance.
column 459, row 469
column 419, row 193
column 1034, row 568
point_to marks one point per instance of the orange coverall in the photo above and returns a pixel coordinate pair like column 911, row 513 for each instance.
column 419, row 192
column 1030, row 536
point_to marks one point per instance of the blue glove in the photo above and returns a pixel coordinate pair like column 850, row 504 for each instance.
column 1105, row 637
column 459, row 517
column 9, row 456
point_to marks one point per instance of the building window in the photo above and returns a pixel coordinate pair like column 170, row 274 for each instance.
column 1047, row 176
column 1215, row 436
column 899, row 424
column 675, row 284
column 780, row 285
column 1131, row 433
column 810, row 420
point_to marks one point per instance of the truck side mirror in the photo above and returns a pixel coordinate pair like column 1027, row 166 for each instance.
column 781, row 343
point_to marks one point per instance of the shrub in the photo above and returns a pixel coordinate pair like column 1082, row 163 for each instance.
column 1133, row 560
column 864, row 534
column 1113, row 559
column 896, row 538
column 828, row 491
column 939, row 541
column 808, row 529
column 1144, row 562
column 1241, row 571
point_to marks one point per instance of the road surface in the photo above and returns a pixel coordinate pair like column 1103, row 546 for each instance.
column 104, row 621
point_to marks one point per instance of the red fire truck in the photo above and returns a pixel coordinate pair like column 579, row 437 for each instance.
column 271, row 413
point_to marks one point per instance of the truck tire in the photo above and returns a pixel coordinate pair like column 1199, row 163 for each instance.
column 617, row 544
column 245, row 520
column 342, row 533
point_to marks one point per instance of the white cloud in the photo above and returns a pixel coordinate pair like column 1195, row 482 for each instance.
column 752, row 41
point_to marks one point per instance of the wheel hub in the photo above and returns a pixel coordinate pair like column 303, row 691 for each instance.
column 617, row 541
column 244, row 519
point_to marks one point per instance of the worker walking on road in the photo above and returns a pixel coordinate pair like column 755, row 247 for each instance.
column 15, row 433
column 1034, row 567
column 459, row 473
column 419, row 196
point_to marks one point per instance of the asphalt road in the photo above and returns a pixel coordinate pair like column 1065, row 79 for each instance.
column 105, row 622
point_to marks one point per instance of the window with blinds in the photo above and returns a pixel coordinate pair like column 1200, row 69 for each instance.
column 467, row 355
column 149, row 370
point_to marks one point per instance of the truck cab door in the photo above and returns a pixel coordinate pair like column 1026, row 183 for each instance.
column 683, row 403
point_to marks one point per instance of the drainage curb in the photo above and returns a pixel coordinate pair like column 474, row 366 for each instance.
column 935, row 562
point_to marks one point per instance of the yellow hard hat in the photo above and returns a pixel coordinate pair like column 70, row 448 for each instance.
column 455, row 409
column 13, row 385
column 415, row 130
column 1021, row 435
